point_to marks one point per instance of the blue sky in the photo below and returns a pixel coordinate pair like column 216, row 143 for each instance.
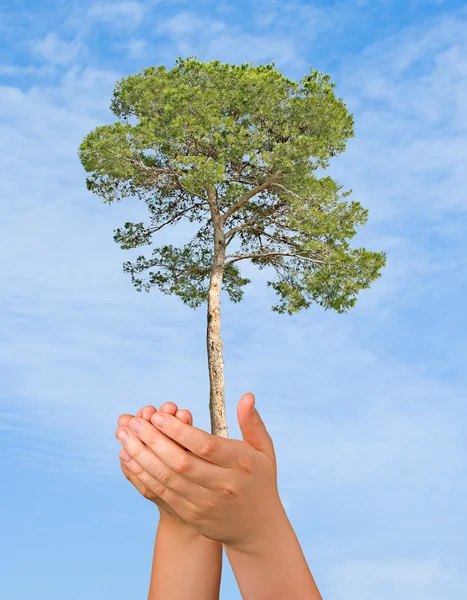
column 368, row 410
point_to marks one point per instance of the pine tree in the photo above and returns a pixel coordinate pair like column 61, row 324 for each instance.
column 235, row 148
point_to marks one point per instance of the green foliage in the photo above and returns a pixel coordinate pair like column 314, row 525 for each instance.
column 239, row 145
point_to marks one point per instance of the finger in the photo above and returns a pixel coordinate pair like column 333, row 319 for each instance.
column 125, row 459
column 135, row 482
column 171, row 408
column 184, row 415
column 146, row 485
column 175, row 458
column 149, row 410
column 157, row 465
column 168, row 407
column 124, row 419
column 149, row 487
column 212, row 448
column 132, row 471
column 252, row 426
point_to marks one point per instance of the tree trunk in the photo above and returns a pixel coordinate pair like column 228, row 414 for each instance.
column 214, row 341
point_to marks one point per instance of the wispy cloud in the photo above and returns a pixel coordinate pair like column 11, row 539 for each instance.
column 418, row 580
column 56, row 50
column 137, row 48
column 187, row 23
column 19, row 71
column 408, row 94
column 120, row 14
column 224, row 42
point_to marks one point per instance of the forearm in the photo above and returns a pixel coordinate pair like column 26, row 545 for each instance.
column 185, row 566
column 274, row 568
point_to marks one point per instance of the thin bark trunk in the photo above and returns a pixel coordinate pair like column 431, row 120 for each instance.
column 214, row 341
column 215, row 358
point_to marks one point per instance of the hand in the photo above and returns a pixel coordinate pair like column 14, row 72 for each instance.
column 134, row 473
column 225, row 489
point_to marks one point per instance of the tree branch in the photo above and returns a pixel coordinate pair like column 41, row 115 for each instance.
column 176, row 273
column 244, row 200
column 184, row 188
column 285, row 240
column 286, row 190
column 166, row 171
column 237, row 257
column 267, row 214
column 274, row 238
column 152, row 230
column 250, row 224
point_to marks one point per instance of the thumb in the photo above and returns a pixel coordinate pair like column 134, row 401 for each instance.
column 253, row 430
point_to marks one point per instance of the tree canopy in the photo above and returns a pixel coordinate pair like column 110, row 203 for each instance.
column 238, row 149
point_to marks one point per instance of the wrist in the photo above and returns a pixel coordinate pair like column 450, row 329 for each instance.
column 176, row 526
column 273, row 565
column 269, row 531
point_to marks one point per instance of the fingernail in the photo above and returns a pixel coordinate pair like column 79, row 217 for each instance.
column 253, row 405
column 146, row 414
column 159, row 420
column 123, row 436
column 136, row 426
column 125, row 457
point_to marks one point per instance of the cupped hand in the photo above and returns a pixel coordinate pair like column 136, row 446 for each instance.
column 225, row 489
column 133, row 472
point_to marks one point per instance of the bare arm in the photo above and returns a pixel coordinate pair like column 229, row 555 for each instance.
column 274, row 567
column 227, row 491
column 186, row 565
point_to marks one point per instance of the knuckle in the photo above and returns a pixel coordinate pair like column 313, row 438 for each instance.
column 201, row 511
column 196, row 515
column 151, row 439
column 245, row 464
column 208, row 507
column 229, row 491
column 134, row 468
column 147, row 493
column 158, row 489
column 208, row 447
column 164, row 478
column 176, row 431
column 136, row 452
column 182, row 466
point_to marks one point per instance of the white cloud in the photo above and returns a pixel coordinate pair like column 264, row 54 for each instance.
column 137, row 48
column 186, row 23
column 408, row 93
column 122, row 14
column 227, row 43
column 417, row 580
column 241, row 48
column 56, row 50
column 16, row 70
